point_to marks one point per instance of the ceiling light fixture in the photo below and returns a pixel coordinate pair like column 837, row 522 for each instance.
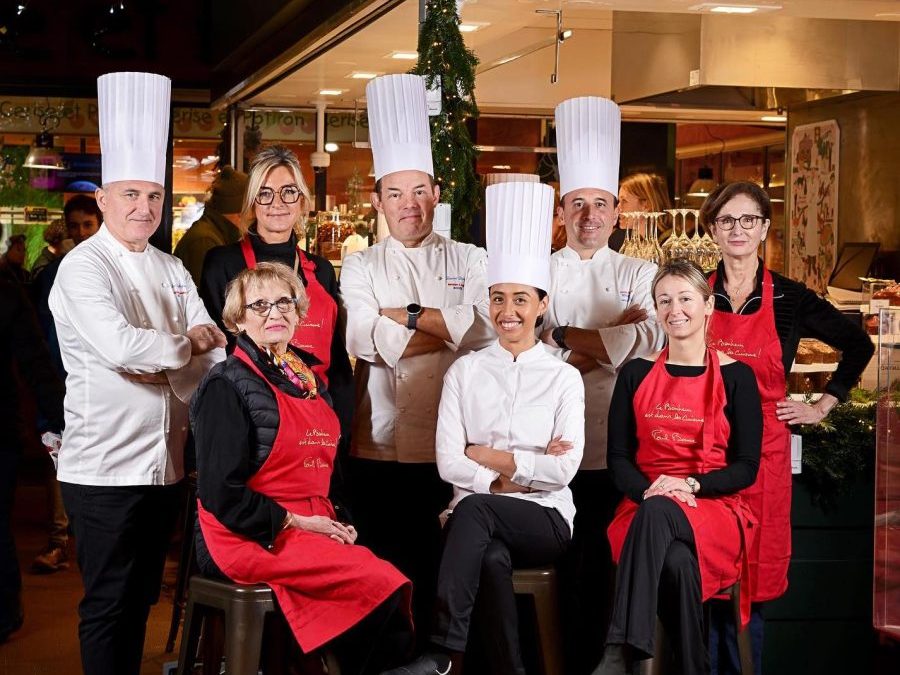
column 331, row 92
column 704, row 183
column 403, row 56
column 773, row 118
column 719, row 8
column 362, row 75
column 331, row 147
column 502, row 167
column 42, row 155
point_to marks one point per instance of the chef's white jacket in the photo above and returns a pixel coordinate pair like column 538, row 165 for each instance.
column 117, row 312
column 397, row 398
column 518, row 405
column 593, row 294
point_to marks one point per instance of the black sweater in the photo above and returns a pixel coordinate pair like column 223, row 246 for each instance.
column 800, row 313
column 742, row 408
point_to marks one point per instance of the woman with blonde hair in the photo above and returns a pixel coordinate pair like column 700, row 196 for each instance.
column 685, row 427
column 640, row 192
column 272, row 220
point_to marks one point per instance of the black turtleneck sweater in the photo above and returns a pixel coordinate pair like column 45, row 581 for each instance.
column 800, row 313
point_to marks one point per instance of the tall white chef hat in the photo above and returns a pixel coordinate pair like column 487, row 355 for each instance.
column 398, row 124
column 494, row 178
column 587, row 144
column 134, row 126
column 519, row 227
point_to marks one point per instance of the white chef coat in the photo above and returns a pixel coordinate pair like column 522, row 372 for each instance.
column 397, row 398
column 593, row 294
column 118, row 311
column 518, row 405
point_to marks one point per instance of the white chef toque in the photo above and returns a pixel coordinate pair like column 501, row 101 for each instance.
column 494, row 178
column 519, row 228
column 398, row 125
column 587, row 144
column 134, row 111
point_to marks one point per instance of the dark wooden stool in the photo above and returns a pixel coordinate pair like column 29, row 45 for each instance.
column 659, row 664
column 541, row 585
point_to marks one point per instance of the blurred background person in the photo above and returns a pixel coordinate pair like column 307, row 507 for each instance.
column 219, row 224
column 55, row 235
column 358, row 241
column 12, row 264
column 641, row 192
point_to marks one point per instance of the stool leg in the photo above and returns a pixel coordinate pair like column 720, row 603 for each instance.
column 745, row 648
column 546, row 606
column 190, row 637
column 243, row 638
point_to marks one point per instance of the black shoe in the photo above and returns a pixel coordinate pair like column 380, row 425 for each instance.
column 427, row 664
column 18, row 617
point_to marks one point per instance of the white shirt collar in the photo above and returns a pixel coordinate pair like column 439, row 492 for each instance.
column 106, row 237
column 534, row 353
column 432, row 239
column 571, row 254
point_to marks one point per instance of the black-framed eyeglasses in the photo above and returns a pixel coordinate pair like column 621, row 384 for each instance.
column 748, row 221
column 289, row 194
column 264, row 307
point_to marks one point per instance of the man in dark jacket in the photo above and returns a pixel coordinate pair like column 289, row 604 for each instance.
column 218, row 224
column 22, row 348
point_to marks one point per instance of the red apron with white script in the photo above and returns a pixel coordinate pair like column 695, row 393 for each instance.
column 752, row 338
column 682, row 430
column 314, row 334
column 323, row 587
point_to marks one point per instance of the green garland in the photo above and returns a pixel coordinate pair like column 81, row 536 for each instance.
column 445, row 60
column 839, row 449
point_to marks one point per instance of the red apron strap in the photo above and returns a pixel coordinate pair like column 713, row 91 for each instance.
column 249, row 254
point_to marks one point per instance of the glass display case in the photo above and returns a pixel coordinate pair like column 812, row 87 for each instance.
column 886, row 573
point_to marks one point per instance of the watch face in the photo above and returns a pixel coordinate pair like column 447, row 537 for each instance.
column 413, row 309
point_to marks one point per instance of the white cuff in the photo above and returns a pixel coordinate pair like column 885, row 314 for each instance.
column 484, row 476
column 391, row 339
column 524, row 474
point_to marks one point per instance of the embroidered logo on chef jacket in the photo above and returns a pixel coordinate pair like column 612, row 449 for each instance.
column 456, row 283
column 625, row 296
column 177, row 289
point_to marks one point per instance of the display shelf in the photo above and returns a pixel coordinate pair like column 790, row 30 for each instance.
column 813, row 367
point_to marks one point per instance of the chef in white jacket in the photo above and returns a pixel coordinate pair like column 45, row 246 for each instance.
column 510, row 438
column 601, row 314
column 415, row 302
column 135, row 340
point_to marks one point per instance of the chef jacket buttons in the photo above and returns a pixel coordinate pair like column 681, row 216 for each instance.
column 403, row 410
column 440, row 277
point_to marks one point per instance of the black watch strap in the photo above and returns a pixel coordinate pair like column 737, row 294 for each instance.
column 559, row 337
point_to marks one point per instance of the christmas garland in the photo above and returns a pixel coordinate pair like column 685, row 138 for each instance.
column 840, row 449
column 446, row 62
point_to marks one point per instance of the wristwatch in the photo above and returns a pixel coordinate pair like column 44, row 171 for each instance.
column 693, row 484
column 559, row 337
column 412, row 315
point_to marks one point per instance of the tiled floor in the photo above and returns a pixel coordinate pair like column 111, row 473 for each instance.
column 48, row 643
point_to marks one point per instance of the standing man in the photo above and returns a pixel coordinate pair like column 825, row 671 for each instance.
column 601, row 314
column 135, row 340
column 415, row 302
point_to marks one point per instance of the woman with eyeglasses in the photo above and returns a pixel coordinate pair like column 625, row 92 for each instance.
column 759, row 319
column 272, row 220
column 266, row 439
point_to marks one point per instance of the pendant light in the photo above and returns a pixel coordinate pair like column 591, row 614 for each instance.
column 42, row 155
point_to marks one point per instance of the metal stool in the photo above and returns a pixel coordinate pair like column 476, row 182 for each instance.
column 659, row 664
column 245, row 609
column 187, row 565
column 541, row 585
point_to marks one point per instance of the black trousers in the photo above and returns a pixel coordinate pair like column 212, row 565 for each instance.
column 122, row 535
column 395, row 507
column 486, row 538
column 10, row 576
column 658, row 573
column 588, row 571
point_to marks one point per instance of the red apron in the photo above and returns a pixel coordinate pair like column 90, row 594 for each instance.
column 752, row 338
column 315, row 332
column 682, row 430
column 323, row 587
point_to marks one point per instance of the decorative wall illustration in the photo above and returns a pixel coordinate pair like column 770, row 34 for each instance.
column 815, row 158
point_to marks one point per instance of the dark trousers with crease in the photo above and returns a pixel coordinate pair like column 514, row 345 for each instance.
column 121, row 535
column 658, row 574
column 486, row 537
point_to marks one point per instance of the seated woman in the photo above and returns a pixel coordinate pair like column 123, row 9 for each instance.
column 266, row 438
column 684, row 437
column 510, row 437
